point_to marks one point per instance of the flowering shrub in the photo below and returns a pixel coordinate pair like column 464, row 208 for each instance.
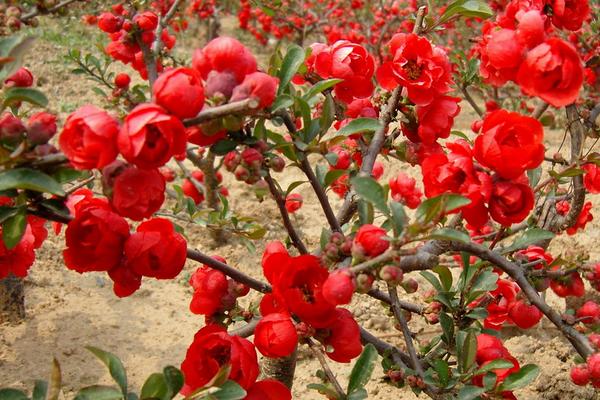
column 483, row 198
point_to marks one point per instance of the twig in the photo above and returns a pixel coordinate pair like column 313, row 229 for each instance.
column 287, row 223
column 540, row 109
column 465, row 91
column 199, row 186
column 237, row 107
column 246, row 330
column 228, row 270
column 318, row 352
column 164, row 20
column 150, row 62
column 397, row 310
column 36, row 11
column 411, row 307
column 384, row 348
column 579, row 341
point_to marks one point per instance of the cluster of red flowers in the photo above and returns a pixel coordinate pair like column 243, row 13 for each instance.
column 520, row 46
column 490, row 348
column 212, row 350
column 128, row 32
column 304, row 290
column 98, row 239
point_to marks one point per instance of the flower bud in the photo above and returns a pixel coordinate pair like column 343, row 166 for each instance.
column 339, row 287
column 364, row 282
column 391, row 274
column 41, row 127
column 11, row 128
column 410, row 285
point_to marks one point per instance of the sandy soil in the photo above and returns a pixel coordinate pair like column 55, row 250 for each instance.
column 67, row 311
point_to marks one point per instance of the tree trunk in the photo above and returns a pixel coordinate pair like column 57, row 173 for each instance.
column 12, row 299
column 282, row 369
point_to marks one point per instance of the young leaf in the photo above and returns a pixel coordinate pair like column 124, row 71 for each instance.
column 230, row 390
column 174, row 380
column 12, row 394
column 399, row 217
column 369, row 190
column 320, row 87
column 98, row 392
column 16, row 94
column 40, row 390
column 469, row 351
column 114, row 365
column 521, row 378
column 439, row 205
column 470, row 392
column 450, row 234
column 25, row 178
column 363, row 369
column 291, row 62
column 529, row 237
column 360, row 125
column 155, row 387
column 498, row 363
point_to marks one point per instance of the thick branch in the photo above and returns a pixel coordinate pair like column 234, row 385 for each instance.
column 287, row 223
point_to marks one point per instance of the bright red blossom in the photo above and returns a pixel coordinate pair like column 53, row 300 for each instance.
column 180, row 92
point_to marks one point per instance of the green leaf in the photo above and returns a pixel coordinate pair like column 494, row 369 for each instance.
column 66, row 175
column 520, row 378
column 447, row 324
column 363, row 369
column 320, row 87
column 399, row 217
column 98, row 392
column 360, row 125
column 332, row 175
column 359, row 394
column 484, row 282
column 114, row 365
column 528, row 237
column 443, row 371
column 12, row 394
column 369, row 190
column 435, row 207
column 323, row 389
column 14, row 228
column 174, row 379
column 470, row 392
column 450, row 234
column 467, row 8
column 155, row 387
column 230, row 390
column 223, row 147
column 291, row 62
column 282, row 101
column 12, row 50
column 445, row 276
column 7, row 212
column 468, row 351
column 534, row 176
column 40, row 390
column 25, row 178
column 16, row 94
column 498, row 363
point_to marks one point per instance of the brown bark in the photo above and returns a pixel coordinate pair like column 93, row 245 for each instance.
column 12, row 299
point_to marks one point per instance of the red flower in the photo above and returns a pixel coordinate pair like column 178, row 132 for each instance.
column 293, row 202
column 95, row 237
column 298, row 283
column 138, row 193
column 511, row 201
column 404, row 190
column 341, row 186
column 41, row 127
column 88, row 138
column 196, row 135
column 339, row 287
column 11, row 128
column 268, row 389
column 156, row 250
column 224, row 54
column 275, row 335
column 22, row 78
column 553, row 72
column 150, row 136
column 571, row 285
column 109, row 22
column 501, row 55
column 370, row 241
column 125, row 280
column 180, row 92
column 424, row 70
column 504, row 296
column 510, row 143
column 436, row 118
column 274, row 260
column 569, row 14
column 259, row 86
column 584, row 217
column 210, row 287
column 591, row 179
column 122, row 80
column 348, row 61
column 524, row 315
column 589, row 313
column 490, row 348
column 20, row 258
column 147, row 21
column 344, row 337
column 213, row 349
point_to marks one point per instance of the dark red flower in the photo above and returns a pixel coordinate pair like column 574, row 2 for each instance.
column 150, row 137
column 138, row 193
column 275, row 335
column 41, row 127
column 95, row 238
column 20, row 258
column 511, row 201
column 504, row 296
column 524, row 315
column 510, row 143
column 109, row 23
column 89, row 138
column 501, row 54
column 404, row 190
column 21, row 78
column 180, row 92
column 125, row 280
column 553, row 72
column 437, row 118
column 212, row 350
column 584, row 217
column 591, row 179
column 569, row 14
column 293, row 202
column 210, row 287
column 156, row 250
